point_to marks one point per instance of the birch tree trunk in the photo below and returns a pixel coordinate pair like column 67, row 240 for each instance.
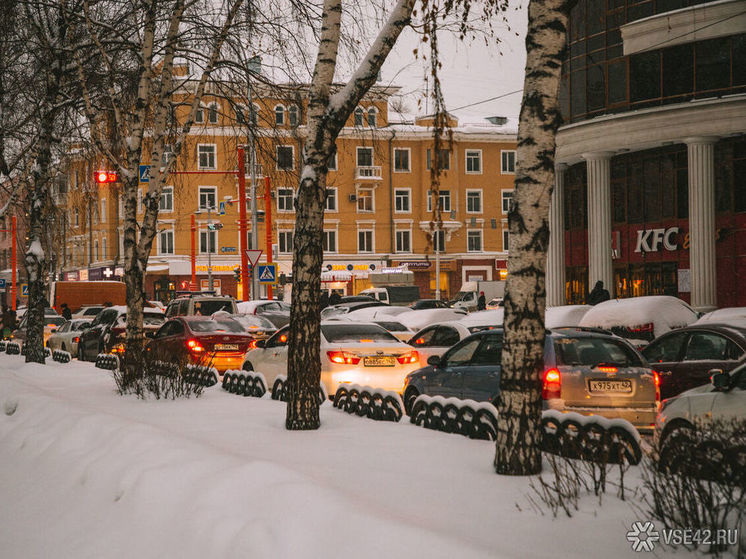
column 327, row 115
column 520, row 405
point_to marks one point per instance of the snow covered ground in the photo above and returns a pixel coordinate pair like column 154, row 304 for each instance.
column 85, row 473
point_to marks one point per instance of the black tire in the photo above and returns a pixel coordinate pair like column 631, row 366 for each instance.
column 593, row 442
column 418, row 415
column 63, row 347
column 434, row 418
column 451, row 415
column 409, row 397
column 466, row 420
column 340, row 397
column 363, row 406
column 623, row 446
column 486, row 425
column 247, row 366
column 393, row 410
column 551, row 428
column 711, row 461
column 570, row 436
column 227, row 379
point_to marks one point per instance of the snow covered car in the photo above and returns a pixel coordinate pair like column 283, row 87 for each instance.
column 416, row 320
column 107, row 331
column 67, row 336
column 554, row 317
column 733, row 316
column 437, row 338
column 640, row 320
column 351, row 352
column 88, row 312
column 590, row 373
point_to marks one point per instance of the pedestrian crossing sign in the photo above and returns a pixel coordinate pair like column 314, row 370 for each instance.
column 267, row 273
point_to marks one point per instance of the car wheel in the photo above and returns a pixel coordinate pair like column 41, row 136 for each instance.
column 247, row 366
column 409, row 397
column 677, row 442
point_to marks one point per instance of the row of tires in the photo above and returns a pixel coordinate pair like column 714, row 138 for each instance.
column 245, row 383
column 107, row 361
column 280, row 390
column 364, row 401
column 11, row 348
column 685, row 451
column 464, row 417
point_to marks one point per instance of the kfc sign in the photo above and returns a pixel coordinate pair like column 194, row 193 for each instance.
column 650, row 240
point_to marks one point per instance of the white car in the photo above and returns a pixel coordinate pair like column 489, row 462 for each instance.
column 351, row 352
column 495, row 303
column 554, row 317
column 376, row 313
column 733, row 316
column 67, row 336
column 416, row 320
column 88, row 312
column 437, row 338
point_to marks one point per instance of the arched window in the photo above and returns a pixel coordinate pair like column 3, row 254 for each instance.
column 293, row 115
column 279, row 115
column 199, row 117
column 359, row 116
column 95, row 250
column 372, row 117
column 212, row 113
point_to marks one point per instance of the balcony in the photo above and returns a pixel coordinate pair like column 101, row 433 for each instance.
column 369, row 172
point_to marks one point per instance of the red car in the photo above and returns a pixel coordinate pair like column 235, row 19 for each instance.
column 216, row 342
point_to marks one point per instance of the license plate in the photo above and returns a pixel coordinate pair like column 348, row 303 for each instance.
column 379, row 361
column 604, row 385
column 226, row 347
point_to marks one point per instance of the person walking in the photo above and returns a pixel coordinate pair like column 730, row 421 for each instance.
column 599, row 294
column 335, row 298
column 481, row 302
column 66, row 312
column 324, row 301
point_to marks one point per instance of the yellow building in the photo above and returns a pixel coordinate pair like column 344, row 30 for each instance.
column 379, row 212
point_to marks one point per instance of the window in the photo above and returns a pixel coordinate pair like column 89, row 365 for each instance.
column 167, row 155
column 364, row 157
column 206, row 156
column 331, row 164
column 401, row 160
column 166, row 203
column 444, row 198
column 293, row 113
column 506, row 238
column 365, row 200
column 240, row 115
column 474, row 161
column 103, row 210
column 507, row 198
column 444, row 159
column 474, row 240
column 199, row 116
column 104, row 252
column 404, row 241
column 329, row 242
column 208, row 196
column 402, row 200
column 284, row 199
column 95, row 250
column 507, row 162
column 439, row 241
column 208, row 241
column 285, row 242
column 279, row 115
column 284, row 158
column 212, row 113
column 372, row 117
column 77, row 217
column 365, row 241
column 331, row 199
column 474, row 201
column 166, row 242
column 359, row 116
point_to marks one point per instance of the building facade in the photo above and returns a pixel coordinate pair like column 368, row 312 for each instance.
column 379, row 212
column 650, row 194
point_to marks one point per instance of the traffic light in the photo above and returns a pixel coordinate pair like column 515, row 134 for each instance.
column 214, row 226
column 237, row 274
column 106, row 176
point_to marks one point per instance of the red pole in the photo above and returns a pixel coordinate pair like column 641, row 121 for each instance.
column 193, row 285
column 268, row 225
column 13, row 262
column 242, row 233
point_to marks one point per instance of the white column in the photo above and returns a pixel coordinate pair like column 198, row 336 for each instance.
column 701, row 156
column 599, row 220
column 555, row 279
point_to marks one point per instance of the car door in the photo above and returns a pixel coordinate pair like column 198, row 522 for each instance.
column 482, row 376
column 156, row 348
column 705, row 351
column 664, row 356
column 274, row 356
column 55, row 340
column 424, row 341
column 447, row 379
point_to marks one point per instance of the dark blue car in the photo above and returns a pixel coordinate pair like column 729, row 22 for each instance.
column 589, row 372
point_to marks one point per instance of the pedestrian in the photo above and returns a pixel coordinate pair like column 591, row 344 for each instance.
column 9, row 322
column 481, row 302
column 66, row 312
column 335, row 298
column 599, row 294
column 324, row 301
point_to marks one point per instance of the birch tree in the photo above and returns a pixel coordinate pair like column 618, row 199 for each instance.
column 520, row 405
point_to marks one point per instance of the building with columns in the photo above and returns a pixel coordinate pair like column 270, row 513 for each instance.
column 650, row 193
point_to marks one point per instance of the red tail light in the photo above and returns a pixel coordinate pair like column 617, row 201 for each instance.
column 76, row 339
column 649, row 327
column 607, row 369
column 419, row 341
column 657, row 380
column 407, row 358
column 552, row 384
column 195, row 346
column 252, row 344
column 343, row 358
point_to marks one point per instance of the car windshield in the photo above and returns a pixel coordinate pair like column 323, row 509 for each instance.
column 355, row 333
column 253, row 321
column 56, row 320
column 334, row 311
column 592, row 351
column 206, row 307
column 78, row 324
column 220, row 325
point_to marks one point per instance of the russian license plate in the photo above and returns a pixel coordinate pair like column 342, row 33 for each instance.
column 379, row 361
column 606, row 385
column 226, row 347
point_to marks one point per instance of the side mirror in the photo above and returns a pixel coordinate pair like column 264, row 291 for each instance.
column 433, row 360
column 720, row 381
column 261, row 343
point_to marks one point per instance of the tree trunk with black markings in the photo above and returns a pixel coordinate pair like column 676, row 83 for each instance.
column 520, row 405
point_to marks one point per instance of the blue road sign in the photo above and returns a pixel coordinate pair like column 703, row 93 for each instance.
column 24, row 289
column 2, row 283
column 221, row 208
column 144, row 173
column 267, row 273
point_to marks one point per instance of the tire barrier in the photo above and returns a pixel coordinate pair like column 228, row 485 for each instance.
column 591, row 438
column 2, row 346
column 107, row 361
column 244, row 383
column 476, row 420
column 47, row 351
column 279, row 391
column 373, row 403
column 13, row 348
column 61, row 356
column 205, row 376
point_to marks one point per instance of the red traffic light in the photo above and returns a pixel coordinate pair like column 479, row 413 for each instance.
column 106, row 176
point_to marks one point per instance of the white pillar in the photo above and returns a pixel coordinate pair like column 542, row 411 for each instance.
column 555, row 279
column 701, row 156
column 599, row 220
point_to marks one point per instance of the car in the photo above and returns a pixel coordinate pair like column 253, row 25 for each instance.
column 51, row 322
column 429, row 304
column 640, row 319
column 437, row 338
column 416, row 320
column 88, row 312
column 277, row 312
column 379, row 312
column 554, row 317
column 351, row 352
column 257, row 326
column 67, row 336
column 684, row 358
column 107, row 331
column 349, row 306
column 200, row 304
column 590, row 373
column 735, row 316
column 218, row 342
column 723, row 398
column 396, row 328
column 495, row 303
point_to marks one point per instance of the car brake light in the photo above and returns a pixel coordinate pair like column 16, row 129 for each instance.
column 642, row 328
column 552, row 384
column 411, row 357
column 607, row 369
column 419, row 341
column 343, row 358
column 252, row 344
column 657, row 380
column 195, row 346
column 76, row 339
